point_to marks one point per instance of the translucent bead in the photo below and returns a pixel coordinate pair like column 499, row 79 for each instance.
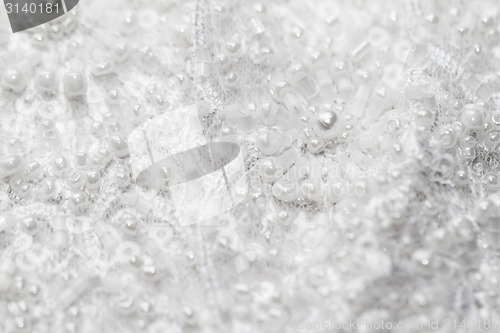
column 492, row 139
column 59, row 231
column 280, row 89
column 270, row 142
column 4, row 203
column 118, row 145
column 311, row 190
column 46, row 82
column 47, row 189
column 60, row 166
column 299, row 76
column 316, row 146
column 13, row 80
column 75, row 179
column 29, row 223
column 81, row 160
column 285, row 190
column 231, row 79
column 491, row 182
column 467, row 154
column 103, row 157
column 75, row 84
column 103, row 68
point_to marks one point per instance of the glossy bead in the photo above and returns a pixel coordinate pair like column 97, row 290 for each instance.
column 75, row 84
column 447, row 138
column 93, row 181
column 316, row 146
column 13, row 80
column 491, row 182
column 472, row 118
column 103, row 68
column 47, row 189
column 79, row 202
column 468, row 153
column 60, row 166
column 118, row 145
column 460, row 178
column 46, row 82
column 10, row 165
column 269, row 170
column 75, row 179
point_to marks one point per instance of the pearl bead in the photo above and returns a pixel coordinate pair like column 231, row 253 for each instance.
column 103, row 68
column 316, row 146
column 131, row 226
column 118, row 145
column 61, row 166
column 75, row 84
column 472, row 118
column 29, row 223
column 13, row 80
column 231, row 79
column 234, row 48
column 46, row 82
column 79, row 202
column 269, row 170
column 447, row 138
column 10, row 165
column 460, row 178
column 492, row 139
column 93, row 181
column 491, row 182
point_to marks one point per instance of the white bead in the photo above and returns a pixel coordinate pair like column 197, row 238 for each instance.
column 46, row 82
column 75, row 179
column 118, row 145
column 60, row 166
column 79, row 202
column 47, row 189
column 269, row 169
column 316, row 146
column 103, row 68
column 447, row 138
column 285, row 190
column 472, row 118
column 10, row 165
column 93, row 181
column 13, row 80
column 75, row 84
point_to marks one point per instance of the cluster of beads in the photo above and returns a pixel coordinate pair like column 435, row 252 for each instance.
column 370, row 137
